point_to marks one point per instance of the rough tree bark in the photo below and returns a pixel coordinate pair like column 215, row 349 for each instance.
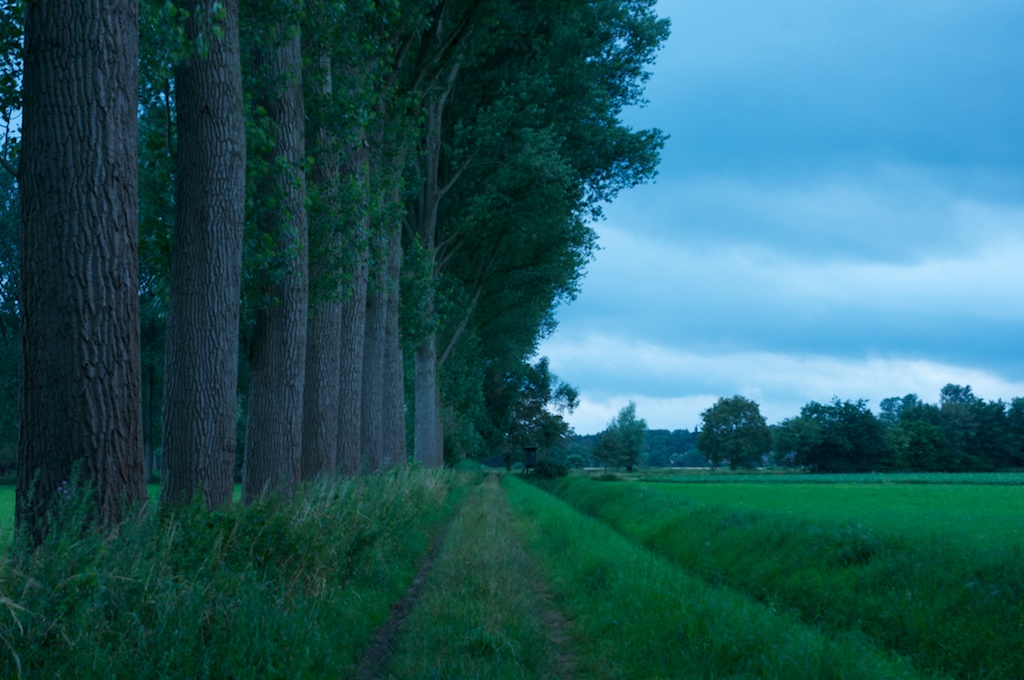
column 428, row 437
column 201, row 384
column 353, row 334
column 273, row 457
column 80, row 395
column 373, row 362
column 394, row 365
column 323, row 353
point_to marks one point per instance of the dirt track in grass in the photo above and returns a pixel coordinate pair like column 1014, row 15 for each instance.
column 479, row 606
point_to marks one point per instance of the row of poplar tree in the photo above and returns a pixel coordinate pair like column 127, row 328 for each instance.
column 373, row 206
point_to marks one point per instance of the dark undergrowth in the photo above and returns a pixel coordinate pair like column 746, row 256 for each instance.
column 278, row 589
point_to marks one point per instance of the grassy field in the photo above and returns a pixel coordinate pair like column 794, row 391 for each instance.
column 931, row 572
column 526, row 587
column 637, row 615
column 988, row 515
column 864, row 577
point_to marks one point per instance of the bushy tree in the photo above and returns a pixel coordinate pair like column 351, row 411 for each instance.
column 734, row 432
column 841, row 436
column 622, row 442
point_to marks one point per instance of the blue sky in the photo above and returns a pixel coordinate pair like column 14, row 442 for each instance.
column 839, row 212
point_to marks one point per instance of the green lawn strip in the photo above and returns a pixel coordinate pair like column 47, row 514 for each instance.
column 707, row 476
column 480, row 614
column 273, row 590
column 985, row 515
column 636, row 615
column 953, row 605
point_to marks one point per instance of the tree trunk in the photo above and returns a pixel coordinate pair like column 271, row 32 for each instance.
column 373, row 366
column 201, row 370
column 323, row 353
column 427, row 449
column 394, row 365
column 273, row 460
column 427, row 428
column 353, row 328
column 350, row 399
column 80, row 396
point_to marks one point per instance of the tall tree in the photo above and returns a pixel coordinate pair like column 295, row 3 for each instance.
column 734, row 431
column 273, row 449
column 621, row 444
column 201, row 373
column 393, row 417
column 522, row 143
column 323, row 353
column 80, row 375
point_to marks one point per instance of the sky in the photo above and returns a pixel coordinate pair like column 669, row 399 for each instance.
column 839, row 212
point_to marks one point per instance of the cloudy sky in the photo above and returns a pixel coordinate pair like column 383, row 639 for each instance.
column 839, row 212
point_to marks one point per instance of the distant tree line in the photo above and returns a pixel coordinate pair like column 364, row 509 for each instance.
column 961, row 433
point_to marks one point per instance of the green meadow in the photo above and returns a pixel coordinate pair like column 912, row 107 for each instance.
column 987, row 514
column 930, row 572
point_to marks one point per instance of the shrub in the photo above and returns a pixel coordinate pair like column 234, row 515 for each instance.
column 547, row 469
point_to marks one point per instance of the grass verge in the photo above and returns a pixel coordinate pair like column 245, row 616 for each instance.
column 636, row 615
column 273, row 590
column 481, row 614
column 953, row 606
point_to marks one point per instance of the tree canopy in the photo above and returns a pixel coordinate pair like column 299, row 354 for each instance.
column 621, row 444
column 417, row 181
column 733, row 431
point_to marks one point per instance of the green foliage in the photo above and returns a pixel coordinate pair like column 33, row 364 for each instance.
column 734, row 431
column 272, row 590
column 621, row 443
column 841, row 436
column 667, row 448
column 547, row 469
column 525, row 405
column 928, row 572
column 963, row 432
column 10, row 331
column 517, row 157
column 11, row 43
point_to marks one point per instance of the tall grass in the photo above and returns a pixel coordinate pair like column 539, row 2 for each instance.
column 481, row 614
column 272, row 590
column 7, row 505
column 953, row 606
column 636, row 615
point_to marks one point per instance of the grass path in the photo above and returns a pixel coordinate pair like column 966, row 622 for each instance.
column 484, row 612
column 375, row 659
